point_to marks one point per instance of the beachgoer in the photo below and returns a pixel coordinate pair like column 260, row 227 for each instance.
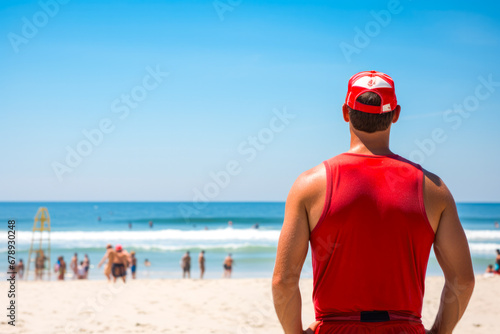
column 150, row 224
column 81, row 273
column 255, row 226
column 497, row 261
column 201, row 261
column 40, row 264
column 129, row 225
column 74, row 265
column 20, row 268
column 107, row 269
column 372, row 207
column 86, row 264
column 61, row 268
column 119, row 263
column 186, row 265
column 228, row 266
column 230, row 223
column 147, row 264
column 133, row 264
column 490, row 269
column 57, row 264
column 497, row 225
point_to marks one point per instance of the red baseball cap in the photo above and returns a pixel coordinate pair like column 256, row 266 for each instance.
column 118, row 247
column 371, row 81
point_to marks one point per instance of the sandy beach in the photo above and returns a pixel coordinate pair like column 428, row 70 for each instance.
column 194, row 306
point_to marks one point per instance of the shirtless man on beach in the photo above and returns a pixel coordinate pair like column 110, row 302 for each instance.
column 186, row 265
column 228, row 266
column 119, row 263
column 107, row 269
column 201, row 261
column 370, row 201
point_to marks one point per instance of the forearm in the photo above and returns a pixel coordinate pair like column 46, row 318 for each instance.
column 288, row 305
column 454, row 300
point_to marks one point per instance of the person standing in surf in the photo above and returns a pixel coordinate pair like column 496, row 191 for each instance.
column 74, row 265
column 370, row 201
column 186, row 265
column 201, row 262
column 107, row 269
column 228, row 266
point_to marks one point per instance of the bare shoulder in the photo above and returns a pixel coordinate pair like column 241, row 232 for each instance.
column 309, row 182
column 437, row 197
column 310, row 190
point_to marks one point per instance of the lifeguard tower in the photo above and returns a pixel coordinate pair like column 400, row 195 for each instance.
column 40, row 245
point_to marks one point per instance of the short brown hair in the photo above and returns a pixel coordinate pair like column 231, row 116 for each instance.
column 367, row 122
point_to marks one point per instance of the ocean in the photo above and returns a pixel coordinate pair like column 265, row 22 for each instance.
column 86, row 228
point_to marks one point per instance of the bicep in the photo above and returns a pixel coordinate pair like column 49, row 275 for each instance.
column 294, row 238
column 450, row 245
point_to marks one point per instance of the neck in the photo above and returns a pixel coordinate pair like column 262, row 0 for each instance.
column 376, row 143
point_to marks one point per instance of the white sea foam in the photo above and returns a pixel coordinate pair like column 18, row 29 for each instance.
column 160, row 239
column 484, row 248
column 482, row 235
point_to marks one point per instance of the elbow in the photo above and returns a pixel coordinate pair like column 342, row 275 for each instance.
column 462, row 284
column 283, row 283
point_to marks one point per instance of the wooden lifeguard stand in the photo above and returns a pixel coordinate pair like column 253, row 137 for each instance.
column 40, row 243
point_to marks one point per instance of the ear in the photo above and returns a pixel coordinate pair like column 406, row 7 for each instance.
column 396, row 114
column 345, row 112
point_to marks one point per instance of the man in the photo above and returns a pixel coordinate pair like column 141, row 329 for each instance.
column 20, row 268
column 119, row 259
column 133, row 264
column 186, row 265
column 107, row 269
column 371, row 207
column 40, row 264
column 201, row 261
column 228, row 266
column 74, row 265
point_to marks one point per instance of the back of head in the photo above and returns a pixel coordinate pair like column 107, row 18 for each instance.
column 367, row 122
column 371, row 101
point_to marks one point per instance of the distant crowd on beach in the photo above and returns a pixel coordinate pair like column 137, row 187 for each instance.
column 185, row 263
column 117, row 261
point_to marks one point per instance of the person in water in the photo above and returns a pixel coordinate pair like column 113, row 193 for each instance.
column 201, row 262
column 186, row 265
column 370, row 201
column 228, row 266
column 119, row 260
column 40, row 264
column 133, row 264
column 109, row 264
column 60, row 268
column 20, row 268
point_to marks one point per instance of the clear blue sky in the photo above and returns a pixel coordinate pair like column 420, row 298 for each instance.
column 67, row 68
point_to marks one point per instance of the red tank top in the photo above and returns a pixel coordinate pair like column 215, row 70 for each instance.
column 371, row 245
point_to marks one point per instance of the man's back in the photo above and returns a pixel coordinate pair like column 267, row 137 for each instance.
column 411, row 206
column 373, row 231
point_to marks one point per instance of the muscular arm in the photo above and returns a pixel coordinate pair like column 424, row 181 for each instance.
column 292, row 248
column 452, row 252
column 292, row 251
